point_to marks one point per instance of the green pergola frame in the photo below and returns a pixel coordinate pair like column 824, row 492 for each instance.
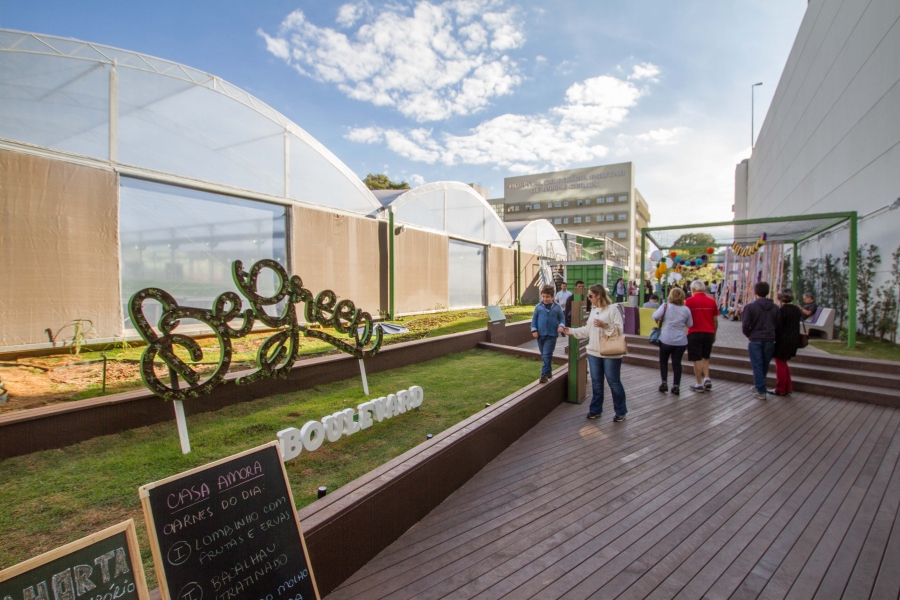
column 835, row 219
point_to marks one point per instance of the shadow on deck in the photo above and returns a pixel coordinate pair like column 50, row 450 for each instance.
column 705, row 495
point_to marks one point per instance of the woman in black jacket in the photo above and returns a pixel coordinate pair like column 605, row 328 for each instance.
column 787, row 341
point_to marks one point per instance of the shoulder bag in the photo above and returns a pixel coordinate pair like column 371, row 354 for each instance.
column 655, row 332
column 613, row 345
column 804, row 336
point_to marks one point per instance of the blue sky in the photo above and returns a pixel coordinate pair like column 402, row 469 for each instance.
column 479, row 90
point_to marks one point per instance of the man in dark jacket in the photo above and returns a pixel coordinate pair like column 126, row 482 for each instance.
column 759, row 320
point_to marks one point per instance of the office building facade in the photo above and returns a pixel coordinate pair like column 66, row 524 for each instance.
column 599, row 201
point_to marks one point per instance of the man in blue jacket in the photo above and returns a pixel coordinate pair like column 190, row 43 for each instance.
column 758, row 322
column 545, row 322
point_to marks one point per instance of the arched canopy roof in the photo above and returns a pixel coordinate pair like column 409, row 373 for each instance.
column 137, row 110
column 452, row 207
column 537, row 237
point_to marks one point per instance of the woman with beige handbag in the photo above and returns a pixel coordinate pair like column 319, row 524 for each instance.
column 606, row 347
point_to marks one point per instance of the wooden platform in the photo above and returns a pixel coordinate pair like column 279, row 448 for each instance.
column 713, row 495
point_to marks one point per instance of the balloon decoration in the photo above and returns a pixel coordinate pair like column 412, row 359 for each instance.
column 744, row 251
column 673, row 254
column 710, row 250
column 655, row 255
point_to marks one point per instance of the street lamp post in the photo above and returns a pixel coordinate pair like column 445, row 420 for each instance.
column 752, row 126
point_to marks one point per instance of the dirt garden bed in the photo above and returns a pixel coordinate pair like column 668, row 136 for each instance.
column 44, row 380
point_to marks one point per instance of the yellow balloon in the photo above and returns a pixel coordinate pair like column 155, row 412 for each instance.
column 663, row 268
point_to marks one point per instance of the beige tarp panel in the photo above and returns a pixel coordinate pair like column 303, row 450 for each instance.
column 531, row 278
column 501, row 275
column 337, row 252
column 422, row 266
column 59, row 250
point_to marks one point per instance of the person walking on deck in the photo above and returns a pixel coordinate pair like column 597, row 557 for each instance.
column 759, row 321
column 702, row 334
column 674, row 319
column 787, row 341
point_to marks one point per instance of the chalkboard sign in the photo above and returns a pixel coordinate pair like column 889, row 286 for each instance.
column 102, row 566
column 229, row 531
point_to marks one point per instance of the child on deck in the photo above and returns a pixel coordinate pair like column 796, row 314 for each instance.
column 545, row 321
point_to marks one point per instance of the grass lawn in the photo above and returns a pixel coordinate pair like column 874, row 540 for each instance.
column 53, row 497
column 866, row 347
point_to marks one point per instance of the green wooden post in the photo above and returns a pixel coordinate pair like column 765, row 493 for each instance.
column 795, row 275
column 851, row 301
column 573, row 360
column 391, row 264
column 641, row 265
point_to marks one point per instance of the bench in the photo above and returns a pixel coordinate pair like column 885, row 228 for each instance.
column 822, row 320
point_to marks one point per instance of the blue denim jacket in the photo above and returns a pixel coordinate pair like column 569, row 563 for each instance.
column 547, row 319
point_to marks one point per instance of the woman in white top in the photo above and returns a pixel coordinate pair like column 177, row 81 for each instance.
column 676, row 318
column 606, row 318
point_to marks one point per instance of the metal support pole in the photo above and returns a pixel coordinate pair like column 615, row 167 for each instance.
column 643, row 259
column 573, row 357
column 851, row 300
column 391, row 264
column 518, row 273
column 114, row 113
column 103, row 385
column 795, row 275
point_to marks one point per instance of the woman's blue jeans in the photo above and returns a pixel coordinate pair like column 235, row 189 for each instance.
column 611, row 368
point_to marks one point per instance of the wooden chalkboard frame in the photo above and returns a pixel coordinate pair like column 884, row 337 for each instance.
column 134, row 554
column 144, row 493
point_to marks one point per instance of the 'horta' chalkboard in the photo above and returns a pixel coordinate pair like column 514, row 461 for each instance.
column 229, row 531
column 102, row 566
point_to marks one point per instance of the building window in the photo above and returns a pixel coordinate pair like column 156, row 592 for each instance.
column 610, row 217
column 527, row 207
column 566, row 221
column 580, row 202
column 621, row 235
column 576, row 220
column 558, row 205
column 610, row 199
column 587, row 219
column 537, row 206
column 565, row 203
column 557, row 221
column 623, row 198
column 623, row 216
column 587, row 201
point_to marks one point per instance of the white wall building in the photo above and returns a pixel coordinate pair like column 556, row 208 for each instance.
column 830, row 141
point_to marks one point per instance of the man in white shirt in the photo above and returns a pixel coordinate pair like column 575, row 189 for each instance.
column 713, row 288
column 562, row 295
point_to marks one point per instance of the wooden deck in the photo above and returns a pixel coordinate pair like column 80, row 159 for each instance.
column 713, row 495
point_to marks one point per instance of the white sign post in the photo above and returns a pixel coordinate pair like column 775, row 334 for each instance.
column 362, row 372
column 181, row 422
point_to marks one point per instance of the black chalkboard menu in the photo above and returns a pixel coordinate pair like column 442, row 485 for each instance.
column 103, row 566
column 229, row 531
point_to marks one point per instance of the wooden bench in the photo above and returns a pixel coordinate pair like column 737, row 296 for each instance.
column 822, row 320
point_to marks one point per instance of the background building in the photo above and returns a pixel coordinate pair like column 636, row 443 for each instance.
column 830, row 141
column 600, row 201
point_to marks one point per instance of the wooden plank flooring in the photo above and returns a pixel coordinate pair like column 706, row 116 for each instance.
column 714, row 495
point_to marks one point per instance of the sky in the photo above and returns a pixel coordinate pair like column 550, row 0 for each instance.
column 479, row 90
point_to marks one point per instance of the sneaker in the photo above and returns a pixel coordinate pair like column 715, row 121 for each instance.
column 544, row 378
column 707, row 383
column 774, row 393
column 549, row 376
column 698, row 387
column 593, row 415
column 664, row 387
column 758, row 395
column 676, row 390
column 618, row 418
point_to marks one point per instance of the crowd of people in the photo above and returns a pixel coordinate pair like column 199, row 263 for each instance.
column 687, row 321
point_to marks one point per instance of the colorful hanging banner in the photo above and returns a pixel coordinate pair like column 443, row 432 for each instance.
column 750, row 250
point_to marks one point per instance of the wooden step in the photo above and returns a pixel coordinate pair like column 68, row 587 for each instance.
column 814, row 385
column 798, row 369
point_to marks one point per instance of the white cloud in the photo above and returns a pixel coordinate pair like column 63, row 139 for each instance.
column 540, row 59
column 566, row 134
column 349, row 14
column 430, row 62
column 663, row 137
column 646, row 70
column 416, row 179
